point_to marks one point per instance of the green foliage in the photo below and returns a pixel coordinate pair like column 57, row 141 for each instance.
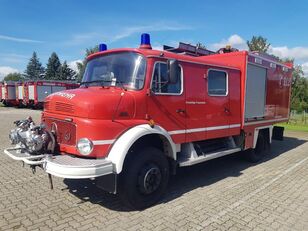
column 34, row 68
column 13, row 77
column 258, row 43
column 299, row 93
column 82, row 66
column 294, row 127
column 53, row 67
column 66, row 73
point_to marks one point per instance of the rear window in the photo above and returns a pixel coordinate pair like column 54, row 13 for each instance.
column 217, row 83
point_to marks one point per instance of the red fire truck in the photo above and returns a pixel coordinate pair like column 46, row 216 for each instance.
column 37, row 91
column 19, row 86
column 1, row 84
column 141, row 113
column 9, row 93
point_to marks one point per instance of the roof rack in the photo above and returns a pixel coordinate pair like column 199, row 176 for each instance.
column 188, row 49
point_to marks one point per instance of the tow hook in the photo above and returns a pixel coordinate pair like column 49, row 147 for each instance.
column 33, row 168
column 50, row 181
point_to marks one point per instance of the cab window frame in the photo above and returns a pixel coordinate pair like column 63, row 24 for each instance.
column 227, row 82
column 165, row 93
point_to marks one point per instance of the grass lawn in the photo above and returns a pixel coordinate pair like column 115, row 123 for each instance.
column 294, row 127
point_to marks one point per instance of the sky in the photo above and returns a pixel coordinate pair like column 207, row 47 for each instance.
column 68, row 27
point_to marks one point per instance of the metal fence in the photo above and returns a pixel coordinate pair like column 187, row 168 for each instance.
column 298, row 117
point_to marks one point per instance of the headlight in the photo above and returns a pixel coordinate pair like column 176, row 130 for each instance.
column 85, row 146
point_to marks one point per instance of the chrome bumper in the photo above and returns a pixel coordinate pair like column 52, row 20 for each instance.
column 64, row 166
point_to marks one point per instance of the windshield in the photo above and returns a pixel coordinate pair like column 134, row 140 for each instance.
column 125, row 69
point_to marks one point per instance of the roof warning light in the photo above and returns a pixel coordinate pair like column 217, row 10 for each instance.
column 102, row 47
column 145, row 41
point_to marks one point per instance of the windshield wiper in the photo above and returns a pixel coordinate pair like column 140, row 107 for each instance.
column 103, row 81
column 93, row 81
column 122, row 85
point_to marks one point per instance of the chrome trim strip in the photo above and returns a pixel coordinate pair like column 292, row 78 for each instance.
column 264, row 121
column 102, row 142
column 192, row 130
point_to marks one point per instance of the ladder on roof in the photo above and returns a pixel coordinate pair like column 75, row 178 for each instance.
column 188, row 49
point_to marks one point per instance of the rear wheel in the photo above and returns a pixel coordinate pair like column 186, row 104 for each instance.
column 262, row 148
column 144, row 178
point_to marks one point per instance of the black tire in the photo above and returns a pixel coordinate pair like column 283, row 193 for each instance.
column 144, row 178
column 262, row 148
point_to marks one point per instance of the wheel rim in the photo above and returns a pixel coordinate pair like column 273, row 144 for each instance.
column 149, row 179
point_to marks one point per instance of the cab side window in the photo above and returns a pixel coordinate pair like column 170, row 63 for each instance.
column 217, row 83
column 160, row 83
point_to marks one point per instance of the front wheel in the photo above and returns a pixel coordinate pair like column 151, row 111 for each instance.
column 144, row 178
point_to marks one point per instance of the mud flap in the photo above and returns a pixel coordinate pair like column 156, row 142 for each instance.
column 107, row 183
column 278, row 133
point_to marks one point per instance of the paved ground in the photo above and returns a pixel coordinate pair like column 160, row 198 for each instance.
column 223, row 194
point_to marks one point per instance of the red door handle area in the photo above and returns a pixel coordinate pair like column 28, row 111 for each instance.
column 180, row 111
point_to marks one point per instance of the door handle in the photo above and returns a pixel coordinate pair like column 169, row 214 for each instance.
column 227, row 111
column 180, row 111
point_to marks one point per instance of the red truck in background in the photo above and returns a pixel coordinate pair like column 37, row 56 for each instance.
column 141, row 113
column 1, row 84
column 8, row 90
column 37, row 91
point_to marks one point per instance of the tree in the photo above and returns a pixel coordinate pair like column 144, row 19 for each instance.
column 34, row 70
column 13, row 77
column 258, row 43
column 53, row 67
column 299, row 93
column 66, row 73
column 82, row 66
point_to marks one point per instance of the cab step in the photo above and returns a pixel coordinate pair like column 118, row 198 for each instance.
column 209, row 156
column 197, row 152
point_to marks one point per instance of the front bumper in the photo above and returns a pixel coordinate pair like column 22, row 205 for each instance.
column 64, row 166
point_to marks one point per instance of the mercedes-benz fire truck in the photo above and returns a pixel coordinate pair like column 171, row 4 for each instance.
column 139, row 114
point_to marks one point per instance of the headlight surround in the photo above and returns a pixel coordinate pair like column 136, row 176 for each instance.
column 85, row 146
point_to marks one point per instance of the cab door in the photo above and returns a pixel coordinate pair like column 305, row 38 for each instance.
column 217, row 104
column 166, row 102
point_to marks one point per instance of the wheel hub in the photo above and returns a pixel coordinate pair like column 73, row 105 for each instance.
column 150, row 179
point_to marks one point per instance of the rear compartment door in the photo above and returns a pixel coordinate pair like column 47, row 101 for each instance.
column 20, row 92
column 43, row 92
column 11, row 92
column 31, row 92
column 255, row 92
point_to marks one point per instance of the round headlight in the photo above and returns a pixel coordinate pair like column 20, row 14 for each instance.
column 84, row 146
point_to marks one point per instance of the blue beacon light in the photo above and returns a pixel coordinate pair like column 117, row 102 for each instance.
column 102, row 47
column 145, row 41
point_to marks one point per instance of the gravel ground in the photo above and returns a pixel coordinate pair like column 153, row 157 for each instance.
column 223, row 194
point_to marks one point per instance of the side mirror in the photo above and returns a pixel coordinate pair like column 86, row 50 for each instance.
column 173, row 70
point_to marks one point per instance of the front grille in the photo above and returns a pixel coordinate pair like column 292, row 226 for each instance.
column 65, row 131
column 64, row 107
